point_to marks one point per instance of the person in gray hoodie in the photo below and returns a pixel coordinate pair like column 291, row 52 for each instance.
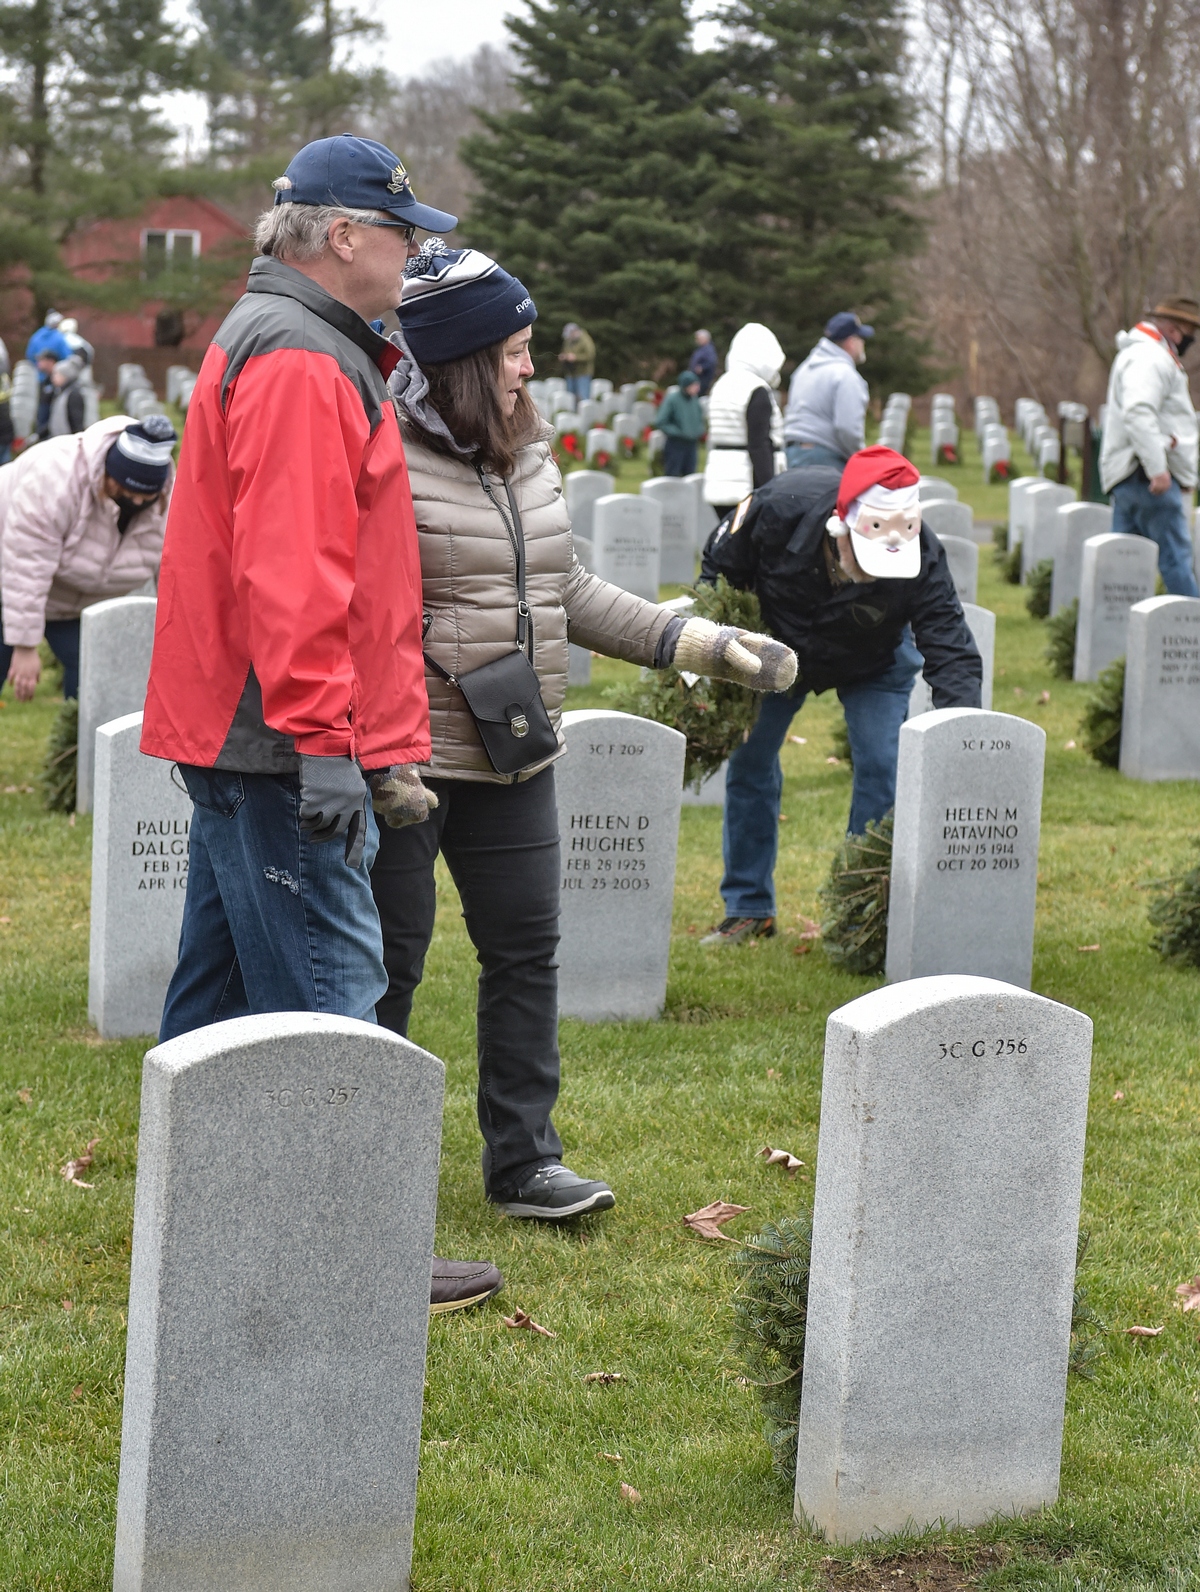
column 827, row 399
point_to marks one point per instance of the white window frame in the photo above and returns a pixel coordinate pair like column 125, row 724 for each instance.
column 172, row 233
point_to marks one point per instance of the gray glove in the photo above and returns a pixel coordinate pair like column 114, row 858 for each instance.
column 724, row 652
column 333, row 801
column 399, row 797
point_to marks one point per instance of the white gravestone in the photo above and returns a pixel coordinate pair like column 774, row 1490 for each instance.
column 711, row 792
column 677, row 500
column 933, row 489
column 619, row 792
column 982, row 624
column 278, row 1308
column 599, row 442
column 707, row 518
column 627, row 542
column 116, row 638
column 945, row 1219
column 963, row 559
column 965, row 854
column 1074, row 523
column 139, row 882
column 1117, row 572
column 1044, row 504
column 1160, row 725
column 579, row 665
column 1016, row 507
column 945, row 518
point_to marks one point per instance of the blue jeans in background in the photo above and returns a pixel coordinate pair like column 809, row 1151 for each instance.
column 1163, row 519
column 802, row 454
column 875, row 710
column 679, row 456
column 272, row 922
column 581, row 386
column 62, row 637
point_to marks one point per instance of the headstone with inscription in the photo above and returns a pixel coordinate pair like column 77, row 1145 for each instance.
column 116, row 638
column 139, row 882
column 1044, row 503
column 600, row 444
column 934, row 489
column 1160, row 724
column 627, row 542
column 1117, row 571
column 579, row 665
column 945, row 1221
column 581, row 488
column 619, row 791
column 965, row 853
column 707, row 519
column 710, row 792
column 947, row 518
column 963, row 559
column 278, row 1308
column 1074, row 523
column 982, row 625
column 1016, row 507
column 677, row 500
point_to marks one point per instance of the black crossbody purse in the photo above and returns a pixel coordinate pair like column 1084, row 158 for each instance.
column 505, row 696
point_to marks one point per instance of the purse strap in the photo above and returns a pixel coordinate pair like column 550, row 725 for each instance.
column 516, row 536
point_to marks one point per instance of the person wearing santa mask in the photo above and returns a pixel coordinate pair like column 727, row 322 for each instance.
column 847, row 576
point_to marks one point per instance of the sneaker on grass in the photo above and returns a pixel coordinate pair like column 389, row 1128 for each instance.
column 733, row 931
column 553, row 1193
column 459, row 1284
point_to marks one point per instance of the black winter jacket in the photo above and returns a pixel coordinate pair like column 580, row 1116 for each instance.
column 846, row 634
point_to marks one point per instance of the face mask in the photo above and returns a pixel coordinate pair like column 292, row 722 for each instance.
column 1185, row 342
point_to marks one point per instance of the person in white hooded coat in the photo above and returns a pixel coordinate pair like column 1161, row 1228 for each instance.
column 745, row 428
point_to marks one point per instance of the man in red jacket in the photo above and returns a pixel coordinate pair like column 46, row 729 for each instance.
column 287, row 680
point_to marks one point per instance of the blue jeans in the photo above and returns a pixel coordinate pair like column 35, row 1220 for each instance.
column 679, row 456
column 875, row 710
column 1163, row 519
column 581, row 386
column 272, row 922
column 62, row 637
column 802, row 454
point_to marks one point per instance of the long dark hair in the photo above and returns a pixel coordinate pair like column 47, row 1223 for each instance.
column 466, row 393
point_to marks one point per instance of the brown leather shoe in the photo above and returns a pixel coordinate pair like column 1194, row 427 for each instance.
column 459, row 1284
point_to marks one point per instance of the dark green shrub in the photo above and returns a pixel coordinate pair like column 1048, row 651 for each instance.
column 1175, row 917
column 1000, row 543
column 855, row 900
column 1037, row 589
column 1060, row 641
column 1012, row 567
column 57, row 777
column 1100, row 727
column 770, row 1309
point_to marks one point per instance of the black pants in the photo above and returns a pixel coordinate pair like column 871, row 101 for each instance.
column 500, row 843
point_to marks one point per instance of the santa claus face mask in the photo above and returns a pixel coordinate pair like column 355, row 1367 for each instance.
column 885, row 531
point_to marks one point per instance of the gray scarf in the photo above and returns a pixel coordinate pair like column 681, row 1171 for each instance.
column 409, row 386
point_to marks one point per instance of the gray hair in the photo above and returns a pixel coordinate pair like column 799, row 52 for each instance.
column 301, row 232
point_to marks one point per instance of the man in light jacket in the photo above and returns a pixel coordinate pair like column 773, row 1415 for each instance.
column 827, row 399
column 1149, row 454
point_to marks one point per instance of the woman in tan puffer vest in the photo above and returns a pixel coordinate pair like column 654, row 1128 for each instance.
column 472, row 436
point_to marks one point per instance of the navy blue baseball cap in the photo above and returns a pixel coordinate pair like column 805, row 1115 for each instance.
column 360, row 174
column 847, row 324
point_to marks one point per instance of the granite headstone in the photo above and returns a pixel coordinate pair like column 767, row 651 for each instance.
column 947, row 518
column 963, row 559
column 1117, row 571
column 627, row 542
column 116, row 638
column 1160, row 724
column 982, row 625
column 677, row 500
column 1074, row 523
column 1043, row 503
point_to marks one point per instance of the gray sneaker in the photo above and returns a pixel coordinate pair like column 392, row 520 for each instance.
column 554, row 1192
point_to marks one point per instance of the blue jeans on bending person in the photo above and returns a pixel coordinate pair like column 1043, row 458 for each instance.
column 62, row 637
column 875, row 709
column 802, row 454
column 272, row 922
column 1163, row 518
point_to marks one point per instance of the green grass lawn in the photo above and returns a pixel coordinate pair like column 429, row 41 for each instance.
column 517, row 1493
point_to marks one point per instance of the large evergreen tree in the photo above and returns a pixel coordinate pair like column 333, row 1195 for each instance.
column 596, row 192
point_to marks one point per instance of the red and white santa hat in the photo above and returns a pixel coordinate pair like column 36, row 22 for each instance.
column 883, row 481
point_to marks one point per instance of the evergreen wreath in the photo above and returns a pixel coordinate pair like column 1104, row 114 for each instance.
column 1175, row 917
column 58, row 773
column 770, row 1309
column 1100, row 726
column 855, row 900
column 1060, row 641
column 1037, row 598
column 1000, row 543
column 715, row 715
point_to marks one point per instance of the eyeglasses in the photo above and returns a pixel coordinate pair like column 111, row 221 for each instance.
column 408, row 230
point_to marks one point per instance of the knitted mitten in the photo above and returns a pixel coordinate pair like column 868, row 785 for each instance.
column 399, row 797
column 723, row 652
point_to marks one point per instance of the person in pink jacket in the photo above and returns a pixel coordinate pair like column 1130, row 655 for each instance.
column 81, row 519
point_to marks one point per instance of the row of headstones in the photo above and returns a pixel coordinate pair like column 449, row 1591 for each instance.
column 26, row 386
column 285, row 1158
column 943, row 429
column 1039, row 436
column 893, row 425
column 135, row 392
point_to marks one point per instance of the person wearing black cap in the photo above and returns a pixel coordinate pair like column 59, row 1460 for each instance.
column 81, row 519
column 503, row 590
column 287, row 655
column 827, row 398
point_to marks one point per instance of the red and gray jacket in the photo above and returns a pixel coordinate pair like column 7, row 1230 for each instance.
column 289, row 600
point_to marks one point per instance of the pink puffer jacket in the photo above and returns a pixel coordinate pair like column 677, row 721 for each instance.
column 60, row 550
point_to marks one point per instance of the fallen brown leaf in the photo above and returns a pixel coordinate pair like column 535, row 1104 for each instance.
column 783, row 818
column 774, row 1072
column 803, row 948
column 24, row 1096
column 1045, row 697
column 798, row 740
column 1087, row 947
column 630, row 1494
column 604, row 1376
column 1120, row 1095
column 1142, row 1332
column 5, row 920
column 810, row 929
column 783, row 1158
column 71, row 821
column 1069, row 747
column 1189, row 1294
column 834, row 760
column 520, row 1318
column 77, row 1391
column 68, row 1304
column 80, row 1164
column 613, row 1459
column 1018, row 691
column 707, row 1220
